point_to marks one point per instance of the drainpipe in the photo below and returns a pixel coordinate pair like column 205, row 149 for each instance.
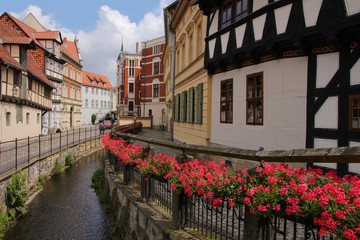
column 172, row 78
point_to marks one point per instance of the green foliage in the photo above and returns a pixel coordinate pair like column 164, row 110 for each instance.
column 4, row 221
column 41, row 180
column 93, row 118
column 57, row 169
column 98, row 183
column 16, row 195
column 69, row 160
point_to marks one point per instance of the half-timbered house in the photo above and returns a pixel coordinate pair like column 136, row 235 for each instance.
column 285, row 73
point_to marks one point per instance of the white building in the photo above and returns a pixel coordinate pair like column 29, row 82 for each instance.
column 96, row 96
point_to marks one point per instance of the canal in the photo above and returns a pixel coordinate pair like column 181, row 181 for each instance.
column 67, row 208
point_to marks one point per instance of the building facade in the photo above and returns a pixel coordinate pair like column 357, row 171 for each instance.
column 71, row 97
column 285, row 74
column 96, row 96
column 25, row 91
column 192, row 85
column 152, row 88
column 128, row 83
column 47, row 55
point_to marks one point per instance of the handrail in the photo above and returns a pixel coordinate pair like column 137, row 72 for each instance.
column 308, row 155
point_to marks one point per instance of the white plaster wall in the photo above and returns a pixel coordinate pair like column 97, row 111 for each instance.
column 240, row 32
column 259, row 24
column 19, row 129
column 354, row 167
column 282, row 17
column 259, row 4
column 327, row 65
column 86, row 112
column 214, row 25
column 355, row 73
column 352, row 6
column 224, row 41
column 285, row 85
column 156, row 109
column 327, row 116
column 212, row 47
column 311, row 11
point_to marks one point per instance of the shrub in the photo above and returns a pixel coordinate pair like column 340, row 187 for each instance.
column 16, row 196
column 93, row 118
column 57, row 169
column 41, row 180
column 4, row 221
column 98, row 183
column 68, row 160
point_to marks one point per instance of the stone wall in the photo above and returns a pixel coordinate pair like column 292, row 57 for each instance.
column 44, row 165
column 136, row 218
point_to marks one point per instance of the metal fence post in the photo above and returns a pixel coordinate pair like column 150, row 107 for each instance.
column 60, row 140
column 15, row 153
column 73, row 136
column 67, row 138
column 50, row 142
column 79, row 134
column 39, row 146
column 28, row 149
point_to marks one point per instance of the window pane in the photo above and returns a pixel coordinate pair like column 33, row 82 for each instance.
column 250, row 87
column 355, row 123
column 250, row 113
column 229, row 113
column 258, row 112
column 244, row 8
column 223, row 116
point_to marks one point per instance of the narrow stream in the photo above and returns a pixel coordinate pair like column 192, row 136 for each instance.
column 67, row 208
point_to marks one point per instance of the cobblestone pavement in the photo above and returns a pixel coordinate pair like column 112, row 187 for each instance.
column 163, row 135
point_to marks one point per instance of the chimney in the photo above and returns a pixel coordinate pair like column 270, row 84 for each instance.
column 65, row 39
column 137, row 47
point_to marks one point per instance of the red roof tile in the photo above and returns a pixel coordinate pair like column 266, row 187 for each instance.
column 16, row 40
column 96, row 80
column 11, row 36
column 6, row 58
column 70, row 49
column 46, row 35
column 34, row 69
column 27, row 30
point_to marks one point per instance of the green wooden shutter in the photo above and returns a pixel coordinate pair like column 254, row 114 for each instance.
column 177, row 108
column 191, row 105
column 199, row 103
column 183, row 106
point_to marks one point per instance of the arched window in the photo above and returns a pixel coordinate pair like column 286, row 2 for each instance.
column 150, row 112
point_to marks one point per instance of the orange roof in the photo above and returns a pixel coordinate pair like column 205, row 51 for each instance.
column 96, row 80
column 11, row 36
column 34, row 69
column 70, row 49
column 6, row 58
column 46, row 35
column 27, row 30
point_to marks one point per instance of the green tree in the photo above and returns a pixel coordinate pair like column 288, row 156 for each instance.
column 93, row 118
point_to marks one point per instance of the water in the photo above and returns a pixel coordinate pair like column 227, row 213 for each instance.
column 67, row 208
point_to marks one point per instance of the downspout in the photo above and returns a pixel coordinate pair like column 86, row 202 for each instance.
column 172, row 78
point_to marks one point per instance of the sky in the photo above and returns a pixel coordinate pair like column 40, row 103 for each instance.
column 100, row 26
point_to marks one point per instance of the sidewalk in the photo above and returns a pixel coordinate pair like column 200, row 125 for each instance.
column 163, row 135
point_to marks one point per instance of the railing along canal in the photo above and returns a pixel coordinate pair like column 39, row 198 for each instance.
column 19, row 152
column 226, row 221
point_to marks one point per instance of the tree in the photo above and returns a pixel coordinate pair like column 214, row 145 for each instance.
column 93, row 118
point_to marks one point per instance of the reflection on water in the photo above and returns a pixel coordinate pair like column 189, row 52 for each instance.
column 67, row 208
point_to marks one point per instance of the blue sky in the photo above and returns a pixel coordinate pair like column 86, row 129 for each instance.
column 99, row 25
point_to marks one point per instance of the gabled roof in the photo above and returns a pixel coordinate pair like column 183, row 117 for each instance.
column 6, row 58
column 92, row 80
column 11, row 36
column 34, row 69
column 47, row 35
column 26, row 29
column 70, row 49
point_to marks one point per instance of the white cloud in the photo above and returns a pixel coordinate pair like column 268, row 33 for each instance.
column 100, row 47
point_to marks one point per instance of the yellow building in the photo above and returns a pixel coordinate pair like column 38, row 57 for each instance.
column 185, row 28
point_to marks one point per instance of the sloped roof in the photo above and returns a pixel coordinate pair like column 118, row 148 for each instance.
column 46, row 35
column 11, row 36
column 70, row 49
column 93, row 79
column 34, row 69
column 27, row 30
column 6, row 58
